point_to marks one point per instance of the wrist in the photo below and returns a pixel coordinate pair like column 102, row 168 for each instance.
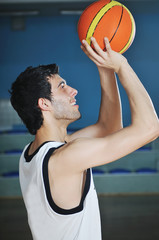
column 103, row 70
column 124, row 64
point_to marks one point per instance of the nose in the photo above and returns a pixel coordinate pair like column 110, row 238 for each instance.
column 72, row 91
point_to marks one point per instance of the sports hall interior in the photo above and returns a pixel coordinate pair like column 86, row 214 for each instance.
column 34, row 32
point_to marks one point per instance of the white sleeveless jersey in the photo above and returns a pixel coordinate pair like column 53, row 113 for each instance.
column 47, row 221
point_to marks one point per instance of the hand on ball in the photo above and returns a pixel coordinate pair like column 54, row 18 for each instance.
column 107, row 59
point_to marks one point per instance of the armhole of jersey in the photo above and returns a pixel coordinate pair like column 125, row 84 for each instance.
column 28, row 157
column 51, row 202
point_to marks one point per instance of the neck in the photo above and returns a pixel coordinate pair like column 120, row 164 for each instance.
column 51, row 132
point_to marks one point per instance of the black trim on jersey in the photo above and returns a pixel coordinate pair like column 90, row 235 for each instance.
column 28, row 157
column 52, row 204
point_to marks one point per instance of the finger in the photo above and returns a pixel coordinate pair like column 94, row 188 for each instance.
column 90, row 57
column 107, row 44
column 85, row 50
column 97, row 47
column 91, row 52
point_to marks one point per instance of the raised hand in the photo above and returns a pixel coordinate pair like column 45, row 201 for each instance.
column 107, row 59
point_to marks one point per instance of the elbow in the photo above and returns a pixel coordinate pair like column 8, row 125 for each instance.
column 107, row 129
column 153, row 130
column 148, row 130
column 156, row 131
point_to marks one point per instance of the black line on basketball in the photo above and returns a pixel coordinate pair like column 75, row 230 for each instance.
column 117, row 26
column 129, row 37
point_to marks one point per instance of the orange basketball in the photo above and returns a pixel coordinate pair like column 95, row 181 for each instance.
column 111, row 19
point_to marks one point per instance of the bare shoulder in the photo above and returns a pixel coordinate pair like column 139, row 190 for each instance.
column 76, row 155
column 66, row 156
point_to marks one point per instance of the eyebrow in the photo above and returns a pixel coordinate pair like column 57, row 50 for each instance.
column 63, row 81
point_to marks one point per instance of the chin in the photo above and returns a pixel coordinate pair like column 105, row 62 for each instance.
column 68, row 116
column 75, row 118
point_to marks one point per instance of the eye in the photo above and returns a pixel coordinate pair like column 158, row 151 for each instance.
column 62, row 85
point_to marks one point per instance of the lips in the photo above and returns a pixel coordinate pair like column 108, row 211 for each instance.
column 73, row 102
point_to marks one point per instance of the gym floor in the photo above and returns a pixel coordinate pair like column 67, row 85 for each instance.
column 129, row 217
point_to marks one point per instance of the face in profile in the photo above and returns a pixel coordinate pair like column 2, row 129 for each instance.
column 63, row 99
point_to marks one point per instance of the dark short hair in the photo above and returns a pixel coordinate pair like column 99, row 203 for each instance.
column 29, row 86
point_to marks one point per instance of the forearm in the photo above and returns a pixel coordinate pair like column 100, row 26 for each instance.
column 142, row 111
column 110, row 115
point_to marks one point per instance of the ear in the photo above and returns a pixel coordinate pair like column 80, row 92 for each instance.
column 44, row 104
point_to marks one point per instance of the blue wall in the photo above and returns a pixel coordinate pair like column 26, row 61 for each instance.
column 54, row 39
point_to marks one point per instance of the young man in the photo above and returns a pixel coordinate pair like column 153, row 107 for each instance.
column 55, row 169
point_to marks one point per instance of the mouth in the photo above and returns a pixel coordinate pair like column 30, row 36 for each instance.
column 73, row 102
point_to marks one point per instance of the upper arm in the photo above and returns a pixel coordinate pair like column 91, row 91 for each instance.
column 96, row 130
column 84, row 153
column 92, row 131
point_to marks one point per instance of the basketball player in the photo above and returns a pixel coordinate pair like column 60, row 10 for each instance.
column 55, row 169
